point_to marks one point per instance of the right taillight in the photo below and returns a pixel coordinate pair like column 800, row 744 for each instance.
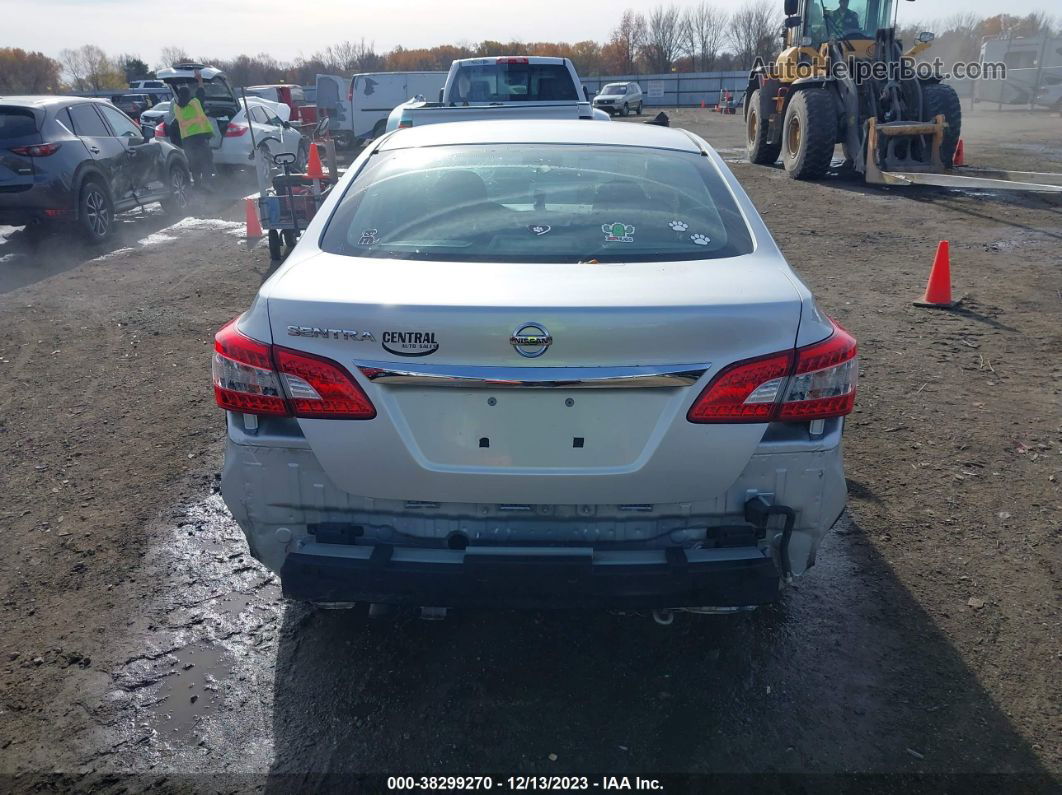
column 815, row 382
column 160, row 130
column 253, row 377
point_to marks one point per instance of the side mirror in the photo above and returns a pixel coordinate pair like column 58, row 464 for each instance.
column 793, row 22
column 791, row 7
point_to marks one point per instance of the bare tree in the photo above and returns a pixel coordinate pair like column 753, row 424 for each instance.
column 753, row 31
column 703, row 34
column 663, row 38
column 89, row 69
column 168, row 56
column 626, row 41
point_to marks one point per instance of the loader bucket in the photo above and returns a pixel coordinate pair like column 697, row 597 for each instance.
column 901, row 147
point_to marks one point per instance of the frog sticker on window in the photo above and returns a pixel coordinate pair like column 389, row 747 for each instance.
column 368, row 238
column 618, row 233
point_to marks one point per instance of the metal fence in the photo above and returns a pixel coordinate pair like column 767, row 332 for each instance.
column 685, row 89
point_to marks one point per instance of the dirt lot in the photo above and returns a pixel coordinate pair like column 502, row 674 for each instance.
column 137, row 635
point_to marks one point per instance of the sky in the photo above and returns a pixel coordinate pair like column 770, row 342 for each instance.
column 287, row 29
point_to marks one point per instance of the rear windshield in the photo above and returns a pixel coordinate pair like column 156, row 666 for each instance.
column 534, row 203
column 17, row 123
column 512, row 82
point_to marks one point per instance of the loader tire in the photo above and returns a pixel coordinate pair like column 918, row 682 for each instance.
column 941, row 100
column 758, row 149
column 809, row 134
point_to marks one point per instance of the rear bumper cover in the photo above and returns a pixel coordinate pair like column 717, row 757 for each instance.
column 544, row 577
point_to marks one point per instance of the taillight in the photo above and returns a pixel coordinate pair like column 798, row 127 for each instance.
column 236, row 130
column 350, row 92
column 811, row 383
column 244, row 378
column 255, row 378
column 160, row 129
column 512, row 59
column 36, row 150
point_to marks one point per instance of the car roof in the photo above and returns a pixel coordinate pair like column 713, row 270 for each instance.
column 45, row 100
column 582, row 131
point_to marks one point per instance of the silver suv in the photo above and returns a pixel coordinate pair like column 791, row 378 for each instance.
column 535, row 364
column 621, row 98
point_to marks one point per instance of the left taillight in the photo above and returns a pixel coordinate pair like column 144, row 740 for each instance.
column 815, row 382
column 36, row 150
column 160, row 130
column 253, row 377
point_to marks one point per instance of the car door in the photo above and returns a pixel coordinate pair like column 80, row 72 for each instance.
column 141, row 157
column 106, row 150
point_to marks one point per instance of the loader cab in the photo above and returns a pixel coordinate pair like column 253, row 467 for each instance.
column 811, row 23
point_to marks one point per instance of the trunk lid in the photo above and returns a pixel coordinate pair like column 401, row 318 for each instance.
column 19, row 126
column 563, row 443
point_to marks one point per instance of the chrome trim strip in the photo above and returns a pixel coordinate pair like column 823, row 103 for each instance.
column 474, row 377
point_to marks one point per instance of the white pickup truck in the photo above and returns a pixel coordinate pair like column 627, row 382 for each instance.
column 513, row 87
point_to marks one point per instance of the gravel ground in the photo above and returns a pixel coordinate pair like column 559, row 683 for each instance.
column 138, row 636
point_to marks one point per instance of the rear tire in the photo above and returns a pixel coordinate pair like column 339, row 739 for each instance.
column 95, row 212
column 809, row 134
column 638, row 112
column 758, row 149
column 626, row 111
column 379, row 128
column 941, row 100
column 180, row 183
column 288, row 235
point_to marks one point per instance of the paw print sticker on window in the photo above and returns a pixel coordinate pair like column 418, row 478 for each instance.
column 700, row 240
column 678, row 226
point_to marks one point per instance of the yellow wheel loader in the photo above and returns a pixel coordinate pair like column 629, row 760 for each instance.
column 843, row 78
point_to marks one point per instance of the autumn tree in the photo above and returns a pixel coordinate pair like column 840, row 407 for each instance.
column 663, row 38
column 90, row 69
column 23, row 72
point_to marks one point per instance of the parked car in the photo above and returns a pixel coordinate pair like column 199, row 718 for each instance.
column 621, row 98
column 132, row 105
column 272, row 135
column 512, row 86
column 78, row 160
column 357, row 108
column 142, row 84
column 150, row 118
column 287, row 94
column 535, row 364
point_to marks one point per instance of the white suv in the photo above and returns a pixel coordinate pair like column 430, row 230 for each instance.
column 621, row 98
column 525, row 364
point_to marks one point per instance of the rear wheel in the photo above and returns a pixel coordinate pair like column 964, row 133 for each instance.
column 379, row 128
column 289, row 238
column 809, row 134
column 759, row 150
column 638, row 111
column 941, row 100
column 179, row 183
column 95, row 212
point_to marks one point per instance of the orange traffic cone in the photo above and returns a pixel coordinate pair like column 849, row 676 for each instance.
column 313, row 166
column 959, row 159
column 254, row 226
column 938, row 290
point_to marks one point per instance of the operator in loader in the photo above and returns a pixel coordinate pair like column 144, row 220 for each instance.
column 843, row 20
column 196, row 131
